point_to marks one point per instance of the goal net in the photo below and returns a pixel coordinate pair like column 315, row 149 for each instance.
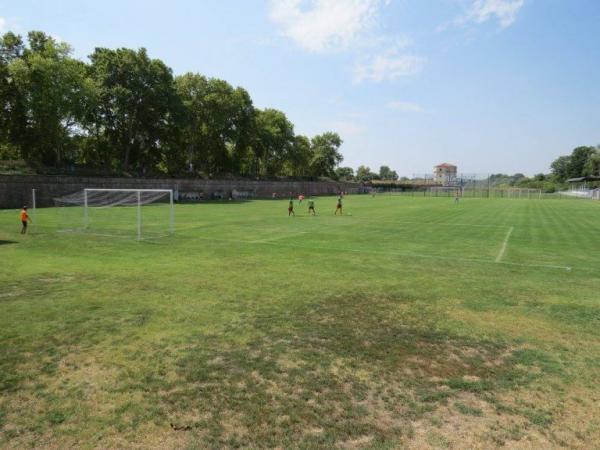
column 141, row 213
column 517, row 193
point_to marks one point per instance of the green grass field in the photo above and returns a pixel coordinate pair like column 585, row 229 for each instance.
column 408, row 322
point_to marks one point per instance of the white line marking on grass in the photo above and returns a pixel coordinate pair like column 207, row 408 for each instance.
column 272, row 242
column 504, row 245
column 388, row 253
column 365, row 221
column 437, row 223
column 275, row 238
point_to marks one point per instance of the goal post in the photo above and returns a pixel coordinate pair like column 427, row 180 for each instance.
column 109, row 211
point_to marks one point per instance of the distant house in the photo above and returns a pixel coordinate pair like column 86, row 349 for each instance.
column 444, row 173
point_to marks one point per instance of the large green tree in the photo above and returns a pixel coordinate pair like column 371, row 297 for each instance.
column 363, row 173
column 592, row 165
column 581, row 162
column 137, row 107
column 344, row 173
column 217, row 124
column 12, row 109
column 560, row 167
column 385, row 173
column 299, row 158
column 578, row 161
column 47, row 98
column 273, row 141
column 326, row 156
column 125, row 111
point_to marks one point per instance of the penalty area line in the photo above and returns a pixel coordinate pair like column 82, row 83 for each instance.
column 504, row 245
column 386, row 253
column 276, row 238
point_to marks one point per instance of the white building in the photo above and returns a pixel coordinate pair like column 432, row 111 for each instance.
column 444, row 173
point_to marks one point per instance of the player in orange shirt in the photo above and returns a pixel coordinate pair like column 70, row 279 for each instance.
column 24, row 219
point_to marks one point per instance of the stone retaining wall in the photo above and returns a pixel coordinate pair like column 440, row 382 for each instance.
column 15, row 190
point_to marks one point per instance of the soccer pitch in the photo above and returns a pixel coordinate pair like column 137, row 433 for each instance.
column 406, row 322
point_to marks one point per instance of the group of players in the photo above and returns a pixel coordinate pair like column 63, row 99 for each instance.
column 311, row 206
column 311, row 210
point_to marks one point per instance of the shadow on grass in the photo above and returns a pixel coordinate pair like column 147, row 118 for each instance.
column 4, row 242
column 345, row 371
column 335, row 372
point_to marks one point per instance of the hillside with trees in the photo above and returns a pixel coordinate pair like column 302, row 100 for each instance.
column 125, row 112
column 583, row 161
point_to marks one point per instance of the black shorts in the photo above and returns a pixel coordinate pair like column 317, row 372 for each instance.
column 311, row 207
column 24, row 222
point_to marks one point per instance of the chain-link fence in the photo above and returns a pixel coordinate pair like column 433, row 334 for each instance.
column 472, row 185
column 475, row 192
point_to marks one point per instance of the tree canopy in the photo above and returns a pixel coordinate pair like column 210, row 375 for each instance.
column 385, row 173
column 582, row 161
column 125, row 111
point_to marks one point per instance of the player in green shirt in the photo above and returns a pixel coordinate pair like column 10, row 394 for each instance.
column 291, row 208
column 339, row 206
column 311, row 207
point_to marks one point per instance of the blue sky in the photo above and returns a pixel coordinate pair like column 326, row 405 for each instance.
column 490, row 85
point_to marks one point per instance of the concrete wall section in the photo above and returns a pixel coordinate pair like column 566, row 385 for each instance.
column 15, row 191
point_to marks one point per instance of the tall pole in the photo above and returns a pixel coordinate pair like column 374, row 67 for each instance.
column 85, row 209
column 172, row 215
column 33, row 206
column 139, row 216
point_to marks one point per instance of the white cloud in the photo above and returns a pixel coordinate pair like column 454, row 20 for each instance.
column 388, row 67
column 480, row 11
column 2, row 24
column 325, row 25
column 406, row 106
column 348, row 128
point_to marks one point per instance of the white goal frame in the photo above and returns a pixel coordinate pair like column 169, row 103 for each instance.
column 139, row 206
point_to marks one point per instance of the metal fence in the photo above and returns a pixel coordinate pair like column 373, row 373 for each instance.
column 517, row 194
